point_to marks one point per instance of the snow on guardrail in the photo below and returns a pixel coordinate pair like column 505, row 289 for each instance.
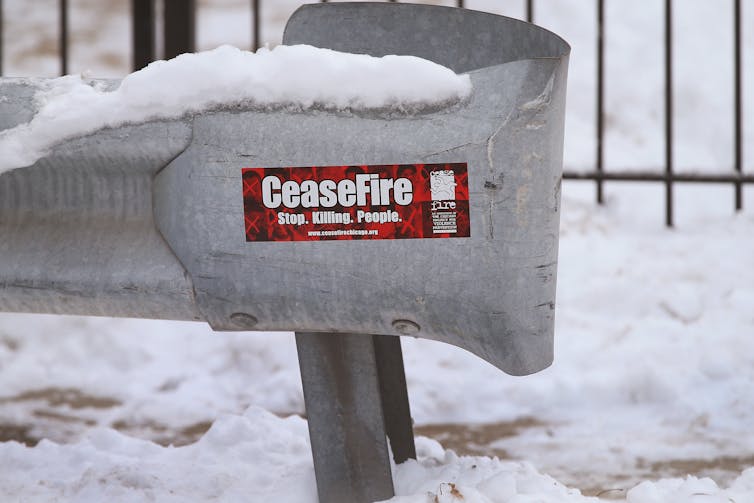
column 296, row 77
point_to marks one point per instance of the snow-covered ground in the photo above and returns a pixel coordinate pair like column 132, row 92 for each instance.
column 653, row 383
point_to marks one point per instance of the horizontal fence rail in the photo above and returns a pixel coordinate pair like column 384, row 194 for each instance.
column 179, row 36
column 650, row 176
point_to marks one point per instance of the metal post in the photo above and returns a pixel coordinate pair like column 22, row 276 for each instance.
column 530, row 11
column 63, row 37
column 669, row 112
column 600, row 95
column 1, row 38
column 738, row 104
column 142, row 29
column 179, row 27
column 255, row 24
column 394, row 395
column 344, row 410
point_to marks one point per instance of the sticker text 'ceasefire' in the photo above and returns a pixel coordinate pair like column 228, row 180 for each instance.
column 401, row 201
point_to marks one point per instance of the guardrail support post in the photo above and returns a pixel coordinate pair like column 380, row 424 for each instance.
column 344, row 410
column 392, row 376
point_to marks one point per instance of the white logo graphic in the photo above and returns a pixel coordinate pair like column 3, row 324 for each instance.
column 443, row 185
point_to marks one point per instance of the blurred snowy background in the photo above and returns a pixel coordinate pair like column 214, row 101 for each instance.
column 653, row 377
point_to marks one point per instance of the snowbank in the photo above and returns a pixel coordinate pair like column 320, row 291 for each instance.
column 261, row 457
column 272, row 462
column 293, row 76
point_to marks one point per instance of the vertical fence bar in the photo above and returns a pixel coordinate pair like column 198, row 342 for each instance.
column 738, row 102
column 63, row 18
column 600, row 96
column 530, row 11
column 1, row 38
column 255, row 24
column 460, row 4
column 142, row 33
column 669, row 113
column 179, row 26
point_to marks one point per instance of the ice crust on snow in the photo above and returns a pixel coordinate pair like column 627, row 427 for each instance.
column 298, row 76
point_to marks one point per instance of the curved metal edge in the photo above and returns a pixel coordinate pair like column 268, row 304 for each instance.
column 460, row 39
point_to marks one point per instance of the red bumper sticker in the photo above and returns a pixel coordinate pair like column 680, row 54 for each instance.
column 395, row 201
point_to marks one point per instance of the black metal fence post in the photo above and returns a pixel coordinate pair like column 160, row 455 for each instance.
column 669, row 113
column 63, row 32
column 180, row 27
column 1, row 38
column 737, row 103
column 600, row 96
column 142, row 33
column 255, row 24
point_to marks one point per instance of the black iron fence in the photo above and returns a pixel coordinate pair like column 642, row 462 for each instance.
column 669, row 177
column 179, row 36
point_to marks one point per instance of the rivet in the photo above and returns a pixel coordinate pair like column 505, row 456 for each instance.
column 243, row 320
column 405, row 327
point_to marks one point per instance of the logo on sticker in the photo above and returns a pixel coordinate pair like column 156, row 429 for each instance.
column 400, row 201
column 444, row 208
